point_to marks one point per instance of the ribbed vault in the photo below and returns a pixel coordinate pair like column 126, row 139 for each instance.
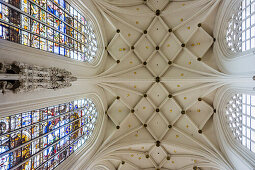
column 160, row 81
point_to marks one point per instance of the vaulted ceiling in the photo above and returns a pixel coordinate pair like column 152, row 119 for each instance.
column 160, row 81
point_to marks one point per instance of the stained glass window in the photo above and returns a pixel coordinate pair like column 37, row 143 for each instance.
column 241, row 27
column 49, row 25
column 43, row 138
column 240, row 113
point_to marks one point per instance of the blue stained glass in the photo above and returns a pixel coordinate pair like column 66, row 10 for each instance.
column 53, row 124
column 67, row 130
column 26, row 119
column 62, row 3
column 56, row 10
column 75, row 104
column 70, row 149
column 45, row 127
column 70, row 136
column 61, row 15
column 71, row 106
column 50, row 7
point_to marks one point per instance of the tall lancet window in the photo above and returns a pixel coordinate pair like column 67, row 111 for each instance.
column 240, row 113
column 241, row 27
column 49, row 25
column 43, row 138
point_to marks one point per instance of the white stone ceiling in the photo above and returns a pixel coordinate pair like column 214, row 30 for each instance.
column 160, row 81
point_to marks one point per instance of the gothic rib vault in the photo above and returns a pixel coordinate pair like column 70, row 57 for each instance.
column 160, row 81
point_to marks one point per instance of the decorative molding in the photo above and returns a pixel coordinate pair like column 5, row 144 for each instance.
column 21, row 77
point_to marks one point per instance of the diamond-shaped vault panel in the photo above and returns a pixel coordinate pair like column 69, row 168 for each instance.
column 200, row 42
column 157, row 64
column 144, row 48
column 171, row 110
column 157, row 93
column 129, row 123
column 118, row 112
column 157, row 30
column 144, row 110
column 200, row 113
column 118, row 47
column 157, row 126
column 171, row 47
column 158, row 154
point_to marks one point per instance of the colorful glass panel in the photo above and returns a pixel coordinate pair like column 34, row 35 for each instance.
column 49, row 25
column 45, row 137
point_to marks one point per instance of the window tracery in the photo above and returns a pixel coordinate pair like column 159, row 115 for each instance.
column 49, row 25
column 240, row 114
column 240, row 35
column 45, row 137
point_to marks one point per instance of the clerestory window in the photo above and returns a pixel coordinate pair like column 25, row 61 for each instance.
column 43, row 138
column 240, row 113
column 49, row 25
column 240, row 34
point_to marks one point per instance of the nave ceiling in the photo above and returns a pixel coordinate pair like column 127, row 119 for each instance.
column 160, row 81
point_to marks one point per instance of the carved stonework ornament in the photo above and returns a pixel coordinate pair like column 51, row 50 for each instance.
column 20, row 77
